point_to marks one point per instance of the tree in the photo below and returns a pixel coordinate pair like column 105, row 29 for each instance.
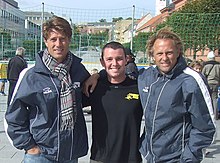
column 75, row 37
column 201, row 6
column 102, row 20
column 6, row 38
column 139, row 44
column 94, row 39
column 139, row 41
column 161, row 25
column 117, row 19
column 197, row 23
column 99, row 39
column 29, row 45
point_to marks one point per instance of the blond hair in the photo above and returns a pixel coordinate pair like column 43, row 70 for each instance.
column 164, row 33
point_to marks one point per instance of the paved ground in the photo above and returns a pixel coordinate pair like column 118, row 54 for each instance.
column 8, row 154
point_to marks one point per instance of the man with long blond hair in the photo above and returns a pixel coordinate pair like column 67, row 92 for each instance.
column 178, row 111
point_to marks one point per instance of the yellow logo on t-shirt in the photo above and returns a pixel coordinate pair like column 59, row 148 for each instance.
column 131, row 96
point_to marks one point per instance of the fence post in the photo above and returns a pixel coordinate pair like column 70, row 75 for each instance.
column 42, row 21
column 132, row 27
column 2, row 46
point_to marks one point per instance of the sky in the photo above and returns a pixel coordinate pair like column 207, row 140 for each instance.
column 90, row 4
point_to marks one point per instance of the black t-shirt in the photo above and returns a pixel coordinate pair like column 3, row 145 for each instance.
column 116, row 121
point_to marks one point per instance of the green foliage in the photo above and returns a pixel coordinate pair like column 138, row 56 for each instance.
column 117, row 19
column 139, row 44
column 30, row 46
column 197, row 23
column 6, row 38
column 102, row 20
column 139, row 41
column 127, row 45
column 161, row 25
column 201, row 6
column 97, row 40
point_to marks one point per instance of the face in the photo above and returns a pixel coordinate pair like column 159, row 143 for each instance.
column 58, row 45
column 114, row 62
column 165, row 54
column 197, row 68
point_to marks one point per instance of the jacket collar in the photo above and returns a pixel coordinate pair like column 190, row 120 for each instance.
column 41, row 68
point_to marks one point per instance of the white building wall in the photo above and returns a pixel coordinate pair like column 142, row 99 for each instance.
column 160, row 4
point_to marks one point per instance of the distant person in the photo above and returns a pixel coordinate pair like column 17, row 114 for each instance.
column 15, row 66
column 196, row 65
column 131, row 67
column 45, row 115
column 116, row 111
column 3, row 78
column 211, row 71
column 2, row 87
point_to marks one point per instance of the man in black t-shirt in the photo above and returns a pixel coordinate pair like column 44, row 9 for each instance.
column 116, row 111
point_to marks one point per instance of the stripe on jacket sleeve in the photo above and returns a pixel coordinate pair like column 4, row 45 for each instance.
column 21, row 75
column 204, row 90
column 6, row 129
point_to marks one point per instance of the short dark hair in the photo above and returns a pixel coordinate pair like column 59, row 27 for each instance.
column 59, row 24
column 129, row 52
column 114, row 45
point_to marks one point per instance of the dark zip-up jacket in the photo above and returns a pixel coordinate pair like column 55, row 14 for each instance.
column 15, row 66
column 179, row 119
column 33, row 116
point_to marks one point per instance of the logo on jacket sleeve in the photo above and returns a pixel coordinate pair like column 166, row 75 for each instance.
column 76, row 85
column 145, row 89
column 131, row 96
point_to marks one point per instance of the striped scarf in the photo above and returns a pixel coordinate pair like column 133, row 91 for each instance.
column 67, row 94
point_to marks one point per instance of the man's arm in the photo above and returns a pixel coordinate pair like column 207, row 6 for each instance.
column 90, row 84
column 17, row 124
column 203, row 126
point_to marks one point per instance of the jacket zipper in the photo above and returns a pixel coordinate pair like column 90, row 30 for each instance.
column 146, row 108
column 155, row 113
column 58, row 120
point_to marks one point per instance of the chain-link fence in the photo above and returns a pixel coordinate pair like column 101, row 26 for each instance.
column 93, row 28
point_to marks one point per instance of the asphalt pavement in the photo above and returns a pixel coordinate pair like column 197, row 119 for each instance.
column 9, row 154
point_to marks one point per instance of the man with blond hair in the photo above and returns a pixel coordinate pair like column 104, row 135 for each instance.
column 178, row 112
